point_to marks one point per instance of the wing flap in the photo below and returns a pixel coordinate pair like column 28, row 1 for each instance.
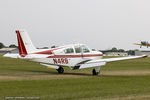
column 50, row 66
column 89, row 65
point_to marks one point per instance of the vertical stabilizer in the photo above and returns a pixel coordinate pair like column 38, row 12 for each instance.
column 25, row 44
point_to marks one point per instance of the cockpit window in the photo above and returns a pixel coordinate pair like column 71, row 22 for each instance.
column 78, row 49
column 69, row 50
column 85, row 49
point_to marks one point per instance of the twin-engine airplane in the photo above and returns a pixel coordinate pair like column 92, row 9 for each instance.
column 143, row 43
column 75, row 56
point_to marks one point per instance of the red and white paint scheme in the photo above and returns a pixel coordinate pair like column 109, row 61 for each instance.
column 75, row 56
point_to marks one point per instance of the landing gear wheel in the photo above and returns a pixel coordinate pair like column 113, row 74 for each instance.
column 60, row 70
column 94, row 72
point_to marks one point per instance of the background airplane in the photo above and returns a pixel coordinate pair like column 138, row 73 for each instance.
column 143, row 43
column 74, row 56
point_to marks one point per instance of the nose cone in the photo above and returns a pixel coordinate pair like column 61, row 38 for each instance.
column 100, row 53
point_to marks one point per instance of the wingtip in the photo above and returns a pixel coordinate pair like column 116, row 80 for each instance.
column 144, row 56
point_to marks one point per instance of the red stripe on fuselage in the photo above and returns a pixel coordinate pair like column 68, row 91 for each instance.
column 48, row 52
column 22, row 49
column 74, row 56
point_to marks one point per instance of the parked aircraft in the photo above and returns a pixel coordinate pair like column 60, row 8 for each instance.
column 143, row 43
column 74, row 56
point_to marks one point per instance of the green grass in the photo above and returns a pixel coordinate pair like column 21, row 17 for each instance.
column 74, row 85
column 76, row 89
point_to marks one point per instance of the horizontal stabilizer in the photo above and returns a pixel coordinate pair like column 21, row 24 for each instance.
column 12, row 55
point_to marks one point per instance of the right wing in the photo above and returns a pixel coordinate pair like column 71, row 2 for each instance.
column 117, row 59
column 102, row 62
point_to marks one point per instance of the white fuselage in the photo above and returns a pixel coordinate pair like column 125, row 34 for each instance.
column 69, row 55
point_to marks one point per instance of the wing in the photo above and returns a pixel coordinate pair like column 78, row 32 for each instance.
column 102, row 62
column 138, row 44
column 117, row 59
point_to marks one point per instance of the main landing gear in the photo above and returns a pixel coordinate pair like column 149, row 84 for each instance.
column 60, row 70
column 96, row 71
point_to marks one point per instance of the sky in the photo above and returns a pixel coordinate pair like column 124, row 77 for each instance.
column 100, row 24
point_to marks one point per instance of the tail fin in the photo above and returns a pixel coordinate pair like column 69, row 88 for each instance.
column 24, row 43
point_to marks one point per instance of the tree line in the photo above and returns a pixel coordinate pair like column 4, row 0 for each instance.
column 114, row 49
column 10, row 46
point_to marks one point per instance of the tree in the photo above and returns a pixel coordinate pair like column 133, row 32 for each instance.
column 44, row 48
column 2, row 45
column 53, row 46
column 121, row 50
column 13, row 46
column 114, row 49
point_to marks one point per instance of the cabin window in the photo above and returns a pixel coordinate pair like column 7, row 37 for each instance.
column 85, row 49
column 69, row 50
column 78, row 49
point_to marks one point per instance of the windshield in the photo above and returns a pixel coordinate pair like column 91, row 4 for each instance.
column 81, row 49
column 85, row 49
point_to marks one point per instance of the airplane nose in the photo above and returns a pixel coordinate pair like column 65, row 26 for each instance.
column 99, row 52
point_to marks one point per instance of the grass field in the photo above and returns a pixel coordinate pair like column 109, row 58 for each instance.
column 123, row 80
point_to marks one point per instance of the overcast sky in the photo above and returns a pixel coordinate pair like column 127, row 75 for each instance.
column 101, row 24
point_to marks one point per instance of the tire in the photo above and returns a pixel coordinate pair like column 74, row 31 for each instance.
column 94, row 72
column 60, row 70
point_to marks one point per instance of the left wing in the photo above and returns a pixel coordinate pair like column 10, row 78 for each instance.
column 102, row 62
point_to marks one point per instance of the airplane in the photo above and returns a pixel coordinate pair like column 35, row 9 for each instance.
column 74, row 56
column 143, row 43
